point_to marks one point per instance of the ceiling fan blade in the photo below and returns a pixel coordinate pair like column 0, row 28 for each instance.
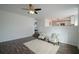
column 37, row 9
column 36, row 12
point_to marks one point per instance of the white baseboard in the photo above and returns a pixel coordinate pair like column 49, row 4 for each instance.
column 15, row 38
column 69, row 43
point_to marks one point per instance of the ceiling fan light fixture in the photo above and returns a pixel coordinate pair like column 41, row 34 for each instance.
column 31, row 9
column 31, row 12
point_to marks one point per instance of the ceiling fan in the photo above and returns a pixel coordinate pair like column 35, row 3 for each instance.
column 31, row 9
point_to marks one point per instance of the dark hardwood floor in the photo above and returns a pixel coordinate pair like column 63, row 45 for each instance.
column 17, row 47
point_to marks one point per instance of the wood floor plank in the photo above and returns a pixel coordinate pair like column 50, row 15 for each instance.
column 17, row 47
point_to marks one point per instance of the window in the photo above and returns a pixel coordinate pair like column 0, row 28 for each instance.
column 65, row 21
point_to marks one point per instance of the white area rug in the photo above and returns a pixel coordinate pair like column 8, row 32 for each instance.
column 41, row 47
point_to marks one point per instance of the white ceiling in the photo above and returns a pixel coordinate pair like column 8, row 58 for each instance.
column 47, row 9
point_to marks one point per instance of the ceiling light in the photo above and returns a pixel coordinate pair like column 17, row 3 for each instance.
column 31, row 12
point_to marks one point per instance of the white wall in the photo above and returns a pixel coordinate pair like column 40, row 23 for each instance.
column 78, row 28
column 14, row 26
column 0, row 27
column 66, row 34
